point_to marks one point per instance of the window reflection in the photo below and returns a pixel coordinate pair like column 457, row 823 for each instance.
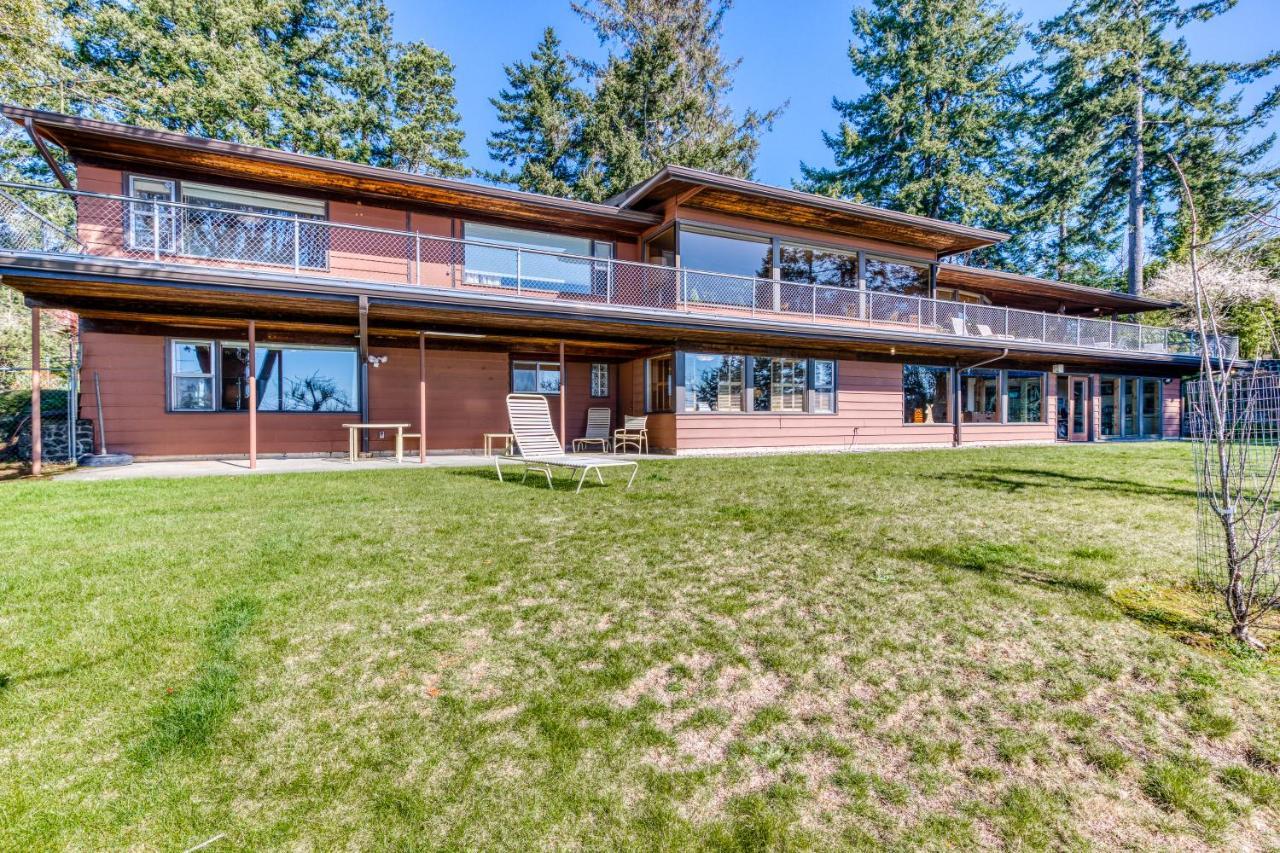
column 926, row 394
column 897, row 277
column 701, row 250
column 290, row 379
column 713, row 383
column 778, row 384
column 980, row 396
column 1025, row 392
column 811, row 265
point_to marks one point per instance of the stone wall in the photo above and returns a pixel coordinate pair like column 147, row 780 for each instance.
column 54, row 435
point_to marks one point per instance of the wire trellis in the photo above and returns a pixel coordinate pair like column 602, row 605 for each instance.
column 1235, row 430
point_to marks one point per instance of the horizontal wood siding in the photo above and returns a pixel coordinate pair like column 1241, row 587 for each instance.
column 869, row 412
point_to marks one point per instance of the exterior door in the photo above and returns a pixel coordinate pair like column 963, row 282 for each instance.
column 1078, row 409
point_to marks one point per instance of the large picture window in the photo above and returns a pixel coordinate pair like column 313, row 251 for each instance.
column 1025, row 392
column 491, row 259
column 714, row 383
column 812, row 265
column 290, row 378
column 226, row 223
column 926, row 394
column 778, row 384
column 896, row 277
column 535, row 377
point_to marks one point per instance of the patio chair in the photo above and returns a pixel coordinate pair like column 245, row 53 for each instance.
column 634, row 433
column 597, row 430
column 540, row 448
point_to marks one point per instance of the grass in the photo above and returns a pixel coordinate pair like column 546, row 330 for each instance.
column 898, row 650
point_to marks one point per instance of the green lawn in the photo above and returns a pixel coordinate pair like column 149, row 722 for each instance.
column 977, row 647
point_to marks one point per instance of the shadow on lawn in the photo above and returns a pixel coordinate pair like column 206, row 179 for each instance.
column 514, row 476
column 1014, row 562
column 1018, row 479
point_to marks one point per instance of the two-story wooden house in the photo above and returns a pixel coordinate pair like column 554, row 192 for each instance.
column 735, row 315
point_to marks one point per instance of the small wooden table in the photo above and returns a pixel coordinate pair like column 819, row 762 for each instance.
column 490, row 437
column 354, row 431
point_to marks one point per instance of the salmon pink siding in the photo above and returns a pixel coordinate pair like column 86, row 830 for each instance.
column 868, row 412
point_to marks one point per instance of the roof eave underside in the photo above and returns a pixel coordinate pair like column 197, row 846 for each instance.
column 93, row 140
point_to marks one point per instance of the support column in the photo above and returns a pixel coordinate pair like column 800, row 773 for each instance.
column 37, row 428
column 422, row 398
column 364, row 371
column 253, row 395
column 564, row 390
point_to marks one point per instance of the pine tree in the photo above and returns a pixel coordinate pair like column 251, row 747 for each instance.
column 1129, row 96
column 937, row 132
column 542, row 109
column 659, row 98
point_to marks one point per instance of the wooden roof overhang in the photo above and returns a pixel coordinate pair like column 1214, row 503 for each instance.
column 1025, row 291
column 121, row 145
column 694, row 188
column 121, row 296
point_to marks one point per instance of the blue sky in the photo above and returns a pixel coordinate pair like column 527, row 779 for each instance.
column 791, row 51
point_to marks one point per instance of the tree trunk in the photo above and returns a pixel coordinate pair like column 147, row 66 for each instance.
column 1062, row 246
column 1137, row 203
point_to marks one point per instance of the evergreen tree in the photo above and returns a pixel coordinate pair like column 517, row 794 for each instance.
column 1124, row 95
column 659, row 98
column 542, row 110
column 320, row 77
column 425, row 136
column 937, row 132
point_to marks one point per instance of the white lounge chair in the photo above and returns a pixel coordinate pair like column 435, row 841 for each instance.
column 540, row 449
column 597, row 430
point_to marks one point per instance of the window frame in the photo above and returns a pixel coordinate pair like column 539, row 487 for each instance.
column 173, row 374
column 950, row 395
column 748, row 386
column 599, row 370
column 676, row 388
column 538, row 364
column 1044, row 397
column 216, row 376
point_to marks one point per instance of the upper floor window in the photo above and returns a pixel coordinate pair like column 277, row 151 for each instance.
column 751, row 257
column 812, row 265
column 951, row 294
column 501, row 256
column 899, row 277
column 226, row 223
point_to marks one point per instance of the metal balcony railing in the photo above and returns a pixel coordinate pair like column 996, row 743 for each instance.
column 54, row 221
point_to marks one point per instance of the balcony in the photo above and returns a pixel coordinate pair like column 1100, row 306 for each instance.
column 59, row 222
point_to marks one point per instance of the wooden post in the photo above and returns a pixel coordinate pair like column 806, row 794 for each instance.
column 564, row 385
column 253, row 394
column 37, row 434
column 364, row 371
column 422, row 398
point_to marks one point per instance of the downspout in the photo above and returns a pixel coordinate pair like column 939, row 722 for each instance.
column 38, row 142
column 955, row 441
